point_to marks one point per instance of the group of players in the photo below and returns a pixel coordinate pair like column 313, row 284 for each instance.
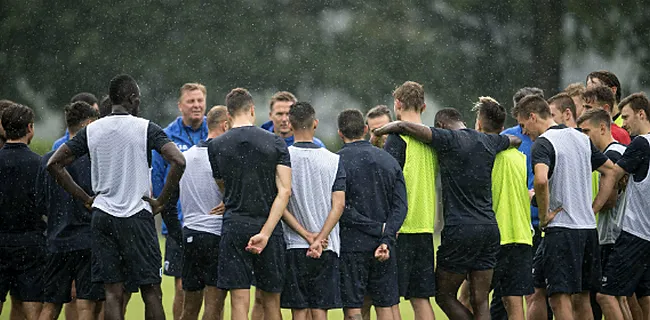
column 314, row 230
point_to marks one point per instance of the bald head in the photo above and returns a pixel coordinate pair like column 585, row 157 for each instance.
column 217, row 121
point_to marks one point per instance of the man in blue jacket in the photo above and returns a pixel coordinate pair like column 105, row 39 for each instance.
column 186, row 131
column 279, row 114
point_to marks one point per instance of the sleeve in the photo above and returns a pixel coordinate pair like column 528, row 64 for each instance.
column 441, row 139
column 158, row 169
column 212, row 157
column 339, row 182
column 397, row 212
column 156, row 137
column 635, row 155
column 597, row 158
column 283, row 152
column 79, row 143
column 396, row 146
column 498, row 142
column 613, row 155
column 319, row 143
column 542, row 151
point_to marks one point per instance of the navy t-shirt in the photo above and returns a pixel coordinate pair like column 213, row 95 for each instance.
column 637, row 159
column 68, row 220
column 245, row 158
column 21, row 221
column 466, row 158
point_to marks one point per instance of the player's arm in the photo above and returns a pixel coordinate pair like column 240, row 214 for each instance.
column 515, row 142
column 258, row 242
column 176, row 160
column 64, row 156
column 294, row 224
column 540, row 184
column 607, row 195
column 397, row 212
column 338, row 204
column 415, row 130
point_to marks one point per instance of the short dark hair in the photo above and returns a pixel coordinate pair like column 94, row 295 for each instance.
column 609, row 79
column 351, row 123
column 4, row 104
column 596, row 116
column 532, row 104
column 564, row 101
column 378, row 111
column 78, row 112
column 15, row 120
column 238, row 100
column 447, row 116
column 105, row 106
column 411, row 95
column 122, row 87
column 637, row 101
column 86, row 97
column 602, row 95
column 216, row 115
column 491, row 113
column 526, row 91
column 302, row 115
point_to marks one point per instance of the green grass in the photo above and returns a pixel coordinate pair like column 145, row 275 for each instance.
column 135, row 309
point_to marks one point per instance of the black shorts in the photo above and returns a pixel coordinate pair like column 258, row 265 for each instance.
column 311, row 283
column 126, row 249
column 239, row 269
column 512, row 276
column 21, row 272
column 200, row 259
column 363, row 275
column 173, row 266
column 467, row 248
column 571, row 260
column 538, row 266
column 416, row 265
column 65, row 267
column 628, row 269
column 605, row 252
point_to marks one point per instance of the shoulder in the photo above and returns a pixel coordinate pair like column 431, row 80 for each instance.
column 516, row 130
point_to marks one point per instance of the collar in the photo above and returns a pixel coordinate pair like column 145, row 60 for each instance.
column 359, row 143
column 306, row 145
column 15, row 145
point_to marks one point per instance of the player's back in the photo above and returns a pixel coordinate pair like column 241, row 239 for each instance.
column 370, row 178
column 120, row 156
column 510, row 197
column 199, row 192
column 314, row 171
column 18, row 168
column 68, row 219
column 246, row 159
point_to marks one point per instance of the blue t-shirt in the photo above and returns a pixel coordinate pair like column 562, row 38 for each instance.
column 268, row 126
column 61, row 140
column 525, row 148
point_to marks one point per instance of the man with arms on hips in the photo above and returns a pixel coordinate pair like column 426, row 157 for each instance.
column 124, row 234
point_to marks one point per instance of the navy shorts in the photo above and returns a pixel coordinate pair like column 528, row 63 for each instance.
column 200, row 259
column 571, row 260
column 628, row 269
column 538, row 266
column 21, row 272
column 416, row 265
column 239, row 269
column 65, row 267
column 126, row 249
column 512, row 276
column 363, row 275
column 173, row 266
column 311, row 283
column 467, row 248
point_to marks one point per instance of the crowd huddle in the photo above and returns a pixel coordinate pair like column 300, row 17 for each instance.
column 547, row 215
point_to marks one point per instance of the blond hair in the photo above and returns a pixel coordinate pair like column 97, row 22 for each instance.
column 411, row 95
column 191, row 87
